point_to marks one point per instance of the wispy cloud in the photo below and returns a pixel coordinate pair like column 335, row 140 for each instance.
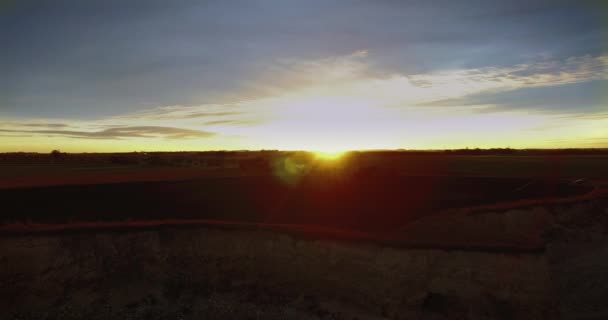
column 121, row 133
column 30, row 124
column 45, row 125
column 343, row 99
column 185, row 112
column 230, row 122
column 355, row 77
column 460, row 83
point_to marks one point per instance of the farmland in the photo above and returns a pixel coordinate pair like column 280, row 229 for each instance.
column 370, row 191
column 377, row 234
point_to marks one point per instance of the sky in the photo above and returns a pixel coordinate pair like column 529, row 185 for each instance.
column 328, row 75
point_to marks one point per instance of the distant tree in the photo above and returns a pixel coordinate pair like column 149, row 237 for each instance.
column 56, row 155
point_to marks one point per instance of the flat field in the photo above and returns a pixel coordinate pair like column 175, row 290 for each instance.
column 365, row 191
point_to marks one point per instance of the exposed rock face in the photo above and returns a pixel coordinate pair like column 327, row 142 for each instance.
column 219, row 273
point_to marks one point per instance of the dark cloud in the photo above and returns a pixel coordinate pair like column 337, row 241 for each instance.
column 122, row 132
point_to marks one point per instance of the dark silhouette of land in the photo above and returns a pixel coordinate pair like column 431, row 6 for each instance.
column 417, row 234
column 362, row 191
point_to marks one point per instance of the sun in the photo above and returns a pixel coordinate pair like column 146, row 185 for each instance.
column 329, row 155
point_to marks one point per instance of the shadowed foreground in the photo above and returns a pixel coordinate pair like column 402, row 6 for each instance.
column 358, row 202
column 215, row 272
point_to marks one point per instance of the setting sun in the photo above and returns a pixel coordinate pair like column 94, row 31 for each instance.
column 206, row 155
column 329, row 155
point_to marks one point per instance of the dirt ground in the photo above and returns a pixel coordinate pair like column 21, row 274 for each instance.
column 231, row 272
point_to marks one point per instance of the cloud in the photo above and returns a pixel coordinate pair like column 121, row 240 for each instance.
column 571, row 98
column 92, row 65
column 122, row 132
column 45, row 125
column 353, row 77
column 573, row 85
column 460, row 83
column 184, row 112
column 167, row 122
column 343, row 99
column 230, row 122
column 247, row 112
column 34, row 125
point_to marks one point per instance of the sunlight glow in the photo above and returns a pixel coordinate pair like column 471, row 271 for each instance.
column 329, row 155
column 336, row 104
